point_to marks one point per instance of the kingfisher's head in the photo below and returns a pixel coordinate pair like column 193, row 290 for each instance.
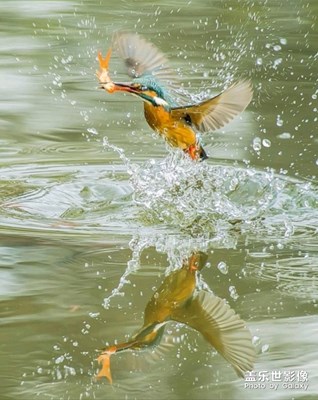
column 148, row 90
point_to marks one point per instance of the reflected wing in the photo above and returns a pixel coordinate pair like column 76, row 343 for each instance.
column 142, row 58
column 221, row 327
column 214, row 113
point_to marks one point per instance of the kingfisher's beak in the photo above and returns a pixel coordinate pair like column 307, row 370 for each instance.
column 112, row 87
column 127, row 87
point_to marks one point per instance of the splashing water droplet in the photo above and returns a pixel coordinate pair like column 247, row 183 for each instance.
column 93, row 131
column 284, row 135
column 266, row 143
column 58, row 375
column 222, row 267
column 59, row 360
column 277, row 62
column 279, row 121
column 233, row 293
column 265, row 348
column 256, row 340
column 257, row 144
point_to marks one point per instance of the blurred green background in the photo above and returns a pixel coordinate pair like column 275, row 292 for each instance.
column 95, row 209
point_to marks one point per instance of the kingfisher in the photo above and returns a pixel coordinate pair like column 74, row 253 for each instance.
column 156, row 84
column 178, row 299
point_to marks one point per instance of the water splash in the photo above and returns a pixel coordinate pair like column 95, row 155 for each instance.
column 137, row 245
column 201, row 198
column 204, row 199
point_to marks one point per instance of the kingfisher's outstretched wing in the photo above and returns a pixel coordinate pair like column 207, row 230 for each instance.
column 142, row 58
column 221, row 327
column 214, row 113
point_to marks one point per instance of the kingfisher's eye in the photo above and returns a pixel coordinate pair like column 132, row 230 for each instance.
column 139, row 86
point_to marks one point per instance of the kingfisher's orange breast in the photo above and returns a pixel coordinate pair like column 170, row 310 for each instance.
column 176, row 132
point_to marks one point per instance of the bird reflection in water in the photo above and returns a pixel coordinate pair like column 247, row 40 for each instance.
column 178, row 299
